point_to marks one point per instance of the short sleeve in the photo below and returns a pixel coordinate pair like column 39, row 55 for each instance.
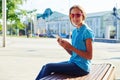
column 88, row 34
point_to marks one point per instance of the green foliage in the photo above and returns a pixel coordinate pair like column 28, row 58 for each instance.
column 0, row 27
column 14, row 13
column 0, row 8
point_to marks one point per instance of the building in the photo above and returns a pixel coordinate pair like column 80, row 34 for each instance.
column 104, row 24
column 54, row 24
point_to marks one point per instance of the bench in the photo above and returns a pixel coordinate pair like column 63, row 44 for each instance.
column 104, row 71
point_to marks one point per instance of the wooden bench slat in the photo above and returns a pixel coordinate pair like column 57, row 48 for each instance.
column 110, row 75
column 98, row 72
column 103, row 72
column 47, row 77
column 95, row 73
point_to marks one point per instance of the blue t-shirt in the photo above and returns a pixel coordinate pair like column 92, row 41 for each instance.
column 79, row 36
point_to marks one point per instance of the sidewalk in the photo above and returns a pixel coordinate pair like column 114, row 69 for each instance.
column 22, row 58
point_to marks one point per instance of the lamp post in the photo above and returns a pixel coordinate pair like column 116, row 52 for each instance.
column 116, row 18
column 31, row 22
column 69, row 24
column 4, row 22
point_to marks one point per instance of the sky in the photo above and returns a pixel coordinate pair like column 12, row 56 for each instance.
column 63, row 6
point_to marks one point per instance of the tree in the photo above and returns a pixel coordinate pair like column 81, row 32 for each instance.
column 13, row 13
column 0, row 28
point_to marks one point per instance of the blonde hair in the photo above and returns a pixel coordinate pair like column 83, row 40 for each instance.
column 80, row 8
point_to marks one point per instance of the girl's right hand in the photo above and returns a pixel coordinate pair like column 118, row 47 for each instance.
column 59, row 40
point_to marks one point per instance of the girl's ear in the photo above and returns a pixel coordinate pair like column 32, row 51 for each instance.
column 83, row 18
column 69, row 16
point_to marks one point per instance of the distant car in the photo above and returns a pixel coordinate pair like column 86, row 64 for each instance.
column 42, row 35
column 47, row 35
column 64, row 35
column 50, row 36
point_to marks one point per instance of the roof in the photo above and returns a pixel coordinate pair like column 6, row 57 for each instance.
column 56, row 16
column 39, row 15
column 98, row 14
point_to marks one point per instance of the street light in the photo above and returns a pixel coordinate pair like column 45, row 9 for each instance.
column 30, row 12
column 116, row 18
column 69, row 24
column 4, row 22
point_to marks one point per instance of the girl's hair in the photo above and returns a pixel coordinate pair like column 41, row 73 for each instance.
column 80, row 8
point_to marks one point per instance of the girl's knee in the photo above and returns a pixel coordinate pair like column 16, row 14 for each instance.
column 47, row 66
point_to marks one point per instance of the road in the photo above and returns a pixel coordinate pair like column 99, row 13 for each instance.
column 22, row 58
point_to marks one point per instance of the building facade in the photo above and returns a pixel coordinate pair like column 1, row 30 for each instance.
column 104, row 25
column 55, row 24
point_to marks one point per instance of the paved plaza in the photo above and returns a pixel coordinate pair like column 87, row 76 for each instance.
column 22, row 58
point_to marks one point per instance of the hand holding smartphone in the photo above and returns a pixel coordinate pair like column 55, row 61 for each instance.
column 59, row 39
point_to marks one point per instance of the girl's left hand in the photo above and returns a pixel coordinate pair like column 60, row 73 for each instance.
column 65, row 44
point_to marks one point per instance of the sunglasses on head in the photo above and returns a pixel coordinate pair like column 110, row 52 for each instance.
column 75, row 15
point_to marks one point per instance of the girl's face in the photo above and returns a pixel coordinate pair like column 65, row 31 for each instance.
column 76, row 17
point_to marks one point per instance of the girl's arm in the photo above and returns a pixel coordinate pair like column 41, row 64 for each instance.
column 59, row 40
column 85, row 54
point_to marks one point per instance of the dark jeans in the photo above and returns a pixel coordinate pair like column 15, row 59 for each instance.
column 62, row 67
